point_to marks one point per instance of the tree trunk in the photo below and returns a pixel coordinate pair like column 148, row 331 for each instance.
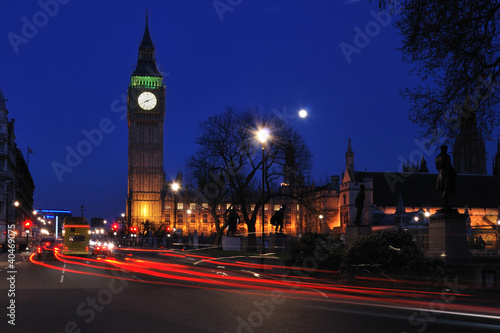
column 218, row 238
column 252, row 238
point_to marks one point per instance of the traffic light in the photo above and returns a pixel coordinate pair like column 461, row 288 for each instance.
column 168, row 230
column 133, row 229
column 115, row 227
column 27, row 225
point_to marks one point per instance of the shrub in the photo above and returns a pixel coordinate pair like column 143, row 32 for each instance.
column 389, row 253
column 317, row 251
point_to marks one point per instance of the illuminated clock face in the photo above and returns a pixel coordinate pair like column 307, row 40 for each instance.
column 147, row 100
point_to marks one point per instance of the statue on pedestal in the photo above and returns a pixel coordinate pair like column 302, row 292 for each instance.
column 232, row 222
column 446, row 178
column 277, row 219
column 360, row 203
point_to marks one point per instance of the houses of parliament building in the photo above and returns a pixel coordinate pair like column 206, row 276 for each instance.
column 401, row 199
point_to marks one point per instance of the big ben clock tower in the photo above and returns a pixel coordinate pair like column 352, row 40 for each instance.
column 145, row 114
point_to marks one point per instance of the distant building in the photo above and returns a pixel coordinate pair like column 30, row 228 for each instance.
column 51, row 220
column 16, row 183
column 469, row 149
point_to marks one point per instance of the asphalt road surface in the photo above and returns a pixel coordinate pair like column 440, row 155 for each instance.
column 168, row 292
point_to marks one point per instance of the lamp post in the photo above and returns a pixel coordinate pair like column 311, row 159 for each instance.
column 175, row 188
column 263, row 135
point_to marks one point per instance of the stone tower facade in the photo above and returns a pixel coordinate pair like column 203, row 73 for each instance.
column 145, row 114
column 469, row 150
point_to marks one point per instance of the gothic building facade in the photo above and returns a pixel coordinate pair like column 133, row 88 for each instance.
column 469, row 150
column 145, row 114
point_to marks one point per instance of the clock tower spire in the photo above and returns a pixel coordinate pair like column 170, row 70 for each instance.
column 145, row 114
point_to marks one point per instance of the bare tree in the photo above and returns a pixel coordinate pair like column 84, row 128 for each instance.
column 455, row 48
column 227, row 166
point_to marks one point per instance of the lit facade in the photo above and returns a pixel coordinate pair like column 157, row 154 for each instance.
column 146, row 113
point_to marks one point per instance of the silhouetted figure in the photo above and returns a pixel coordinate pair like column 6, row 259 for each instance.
column 232, row 222
column 446, row 178
column 480, row 244
column 277, row 219
column 360, row 202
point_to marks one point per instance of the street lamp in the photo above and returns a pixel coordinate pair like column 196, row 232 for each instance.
column 263, row 135
column 320, row 222
column 175, row 188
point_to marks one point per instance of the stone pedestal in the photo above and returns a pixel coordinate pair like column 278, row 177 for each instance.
column 231, row 243
column 448, row 237
column 277, row 242
column 354, row 232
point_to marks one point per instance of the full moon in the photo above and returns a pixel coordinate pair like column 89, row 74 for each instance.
column 302, row 113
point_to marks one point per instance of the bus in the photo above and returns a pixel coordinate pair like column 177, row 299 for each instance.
column 76, row 236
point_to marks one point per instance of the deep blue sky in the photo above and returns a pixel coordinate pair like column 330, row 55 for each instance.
column 72, row 72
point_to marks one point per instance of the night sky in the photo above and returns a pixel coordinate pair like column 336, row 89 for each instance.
column 65, row 70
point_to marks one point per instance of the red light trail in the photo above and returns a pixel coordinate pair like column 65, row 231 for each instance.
column 187, row 275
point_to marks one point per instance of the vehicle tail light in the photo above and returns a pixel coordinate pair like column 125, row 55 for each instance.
column 47, row 243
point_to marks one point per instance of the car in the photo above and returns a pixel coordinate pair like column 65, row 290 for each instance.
column 105, row 248
column 45, row 248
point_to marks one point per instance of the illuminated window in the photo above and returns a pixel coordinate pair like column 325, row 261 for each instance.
column 252, row 207
column 204, row 205
column 192, row 206
column 180, row 205
column 277, row 207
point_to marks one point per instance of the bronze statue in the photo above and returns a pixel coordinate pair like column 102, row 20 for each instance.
column 232, row 222
column 446, row 178
column 277, row 219
column 360, row 202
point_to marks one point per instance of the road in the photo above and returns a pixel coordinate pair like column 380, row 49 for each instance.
column 169, row 292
